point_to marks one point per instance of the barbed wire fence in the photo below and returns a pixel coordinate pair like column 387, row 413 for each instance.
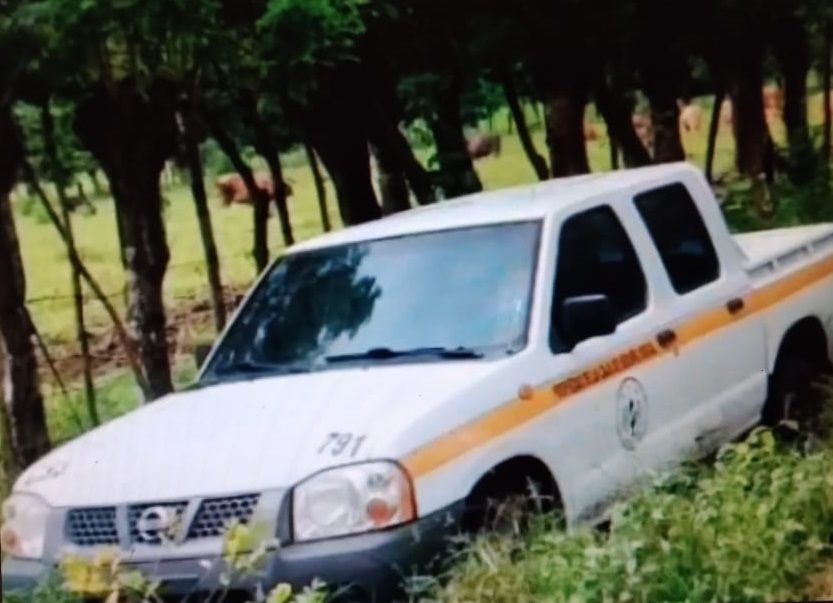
column 119, row 295
column 188, row 317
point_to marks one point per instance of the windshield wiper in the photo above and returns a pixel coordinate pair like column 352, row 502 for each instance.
column 460, row 353
column 250, row 367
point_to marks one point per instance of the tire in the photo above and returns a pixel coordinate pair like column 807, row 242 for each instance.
column 508, row 516
column 794, row 394
column 509, row 510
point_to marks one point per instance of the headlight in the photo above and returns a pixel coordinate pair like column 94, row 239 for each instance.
column 351, row 500
column 23, row 531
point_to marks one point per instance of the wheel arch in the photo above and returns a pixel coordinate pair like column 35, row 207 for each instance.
column 506, row 477
column 806, row 337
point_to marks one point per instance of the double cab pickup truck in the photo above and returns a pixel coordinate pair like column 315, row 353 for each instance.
column 379, row 383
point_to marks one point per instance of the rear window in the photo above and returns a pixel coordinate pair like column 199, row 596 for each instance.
column 680, row 236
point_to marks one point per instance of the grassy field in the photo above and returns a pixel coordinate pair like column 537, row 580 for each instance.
column 47, row 269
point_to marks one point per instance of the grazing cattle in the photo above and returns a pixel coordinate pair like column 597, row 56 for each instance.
column 233, row 190
column 483, row 145
column 691, row 117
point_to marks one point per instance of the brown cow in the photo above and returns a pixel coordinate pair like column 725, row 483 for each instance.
column 483, row 145
column 233, row 190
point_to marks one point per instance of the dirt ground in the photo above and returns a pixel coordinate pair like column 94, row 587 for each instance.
column 189, row 323
column 821, row 585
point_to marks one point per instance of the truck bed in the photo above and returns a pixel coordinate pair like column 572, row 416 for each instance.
column 769, row 254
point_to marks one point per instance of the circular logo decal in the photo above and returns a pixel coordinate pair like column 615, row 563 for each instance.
column 631, row 413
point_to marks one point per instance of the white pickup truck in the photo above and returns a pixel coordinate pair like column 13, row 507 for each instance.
column 379, row 383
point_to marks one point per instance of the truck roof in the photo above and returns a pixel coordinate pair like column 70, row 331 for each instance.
column 526, row 202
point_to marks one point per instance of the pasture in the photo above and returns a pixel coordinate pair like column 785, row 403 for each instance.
column 47, row 267
column 186, row 291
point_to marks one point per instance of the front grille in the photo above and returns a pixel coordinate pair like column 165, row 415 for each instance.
column 216, row 514
column 135, row 511
column 92, row 527
column 97, row 526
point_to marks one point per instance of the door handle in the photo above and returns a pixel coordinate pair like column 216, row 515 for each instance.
column 666, row 338
column 735, row 305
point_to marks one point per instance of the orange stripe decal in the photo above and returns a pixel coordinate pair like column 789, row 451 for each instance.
column 521, row 410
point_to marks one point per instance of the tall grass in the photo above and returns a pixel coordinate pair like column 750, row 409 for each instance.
column 751, row 527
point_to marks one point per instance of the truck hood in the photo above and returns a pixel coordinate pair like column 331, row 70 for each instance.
column 245, row 436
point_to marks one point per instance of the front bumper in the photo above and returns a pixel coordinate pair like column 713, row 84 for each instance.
column 370, row 566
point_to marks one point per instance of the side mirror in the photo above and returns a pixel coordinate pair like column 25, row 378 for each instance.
column 586, row 316
column 201, row 351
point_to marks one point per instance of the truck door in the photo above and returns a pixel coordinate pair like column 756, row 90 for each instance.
column 622, row 377
column 723, row 380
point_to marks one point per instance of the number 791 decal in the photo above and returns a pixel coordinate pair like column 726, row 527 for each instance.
column 342, row 443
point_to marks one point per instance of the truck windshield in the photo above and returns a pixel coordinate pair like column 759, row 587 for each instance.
column 443, row 295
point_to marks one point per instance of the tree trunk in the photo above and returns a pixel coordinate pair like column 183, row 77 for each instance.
column 260, row 223
column 273, row 161
column 748, row 121
column 332, row 122
column 665, row 119
column 616, row 112
column 51, row 149
column 397, row 154
column 190, row 143
column 98, row 190
column 320, row 189
column 714, row 126
column 457, row 175
column 393, row 188
column 260, row 199
column 132, row 133
column 792, row 49
column 347, row 160
column 26, row 416
column 614, row 153
column 9, row 470
column 121, row 331
column 826, row 81
column 564, row 118
column 267, row 149
column 754, row 148
column 120, row 230
column 664, row 73
column 539, row 164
